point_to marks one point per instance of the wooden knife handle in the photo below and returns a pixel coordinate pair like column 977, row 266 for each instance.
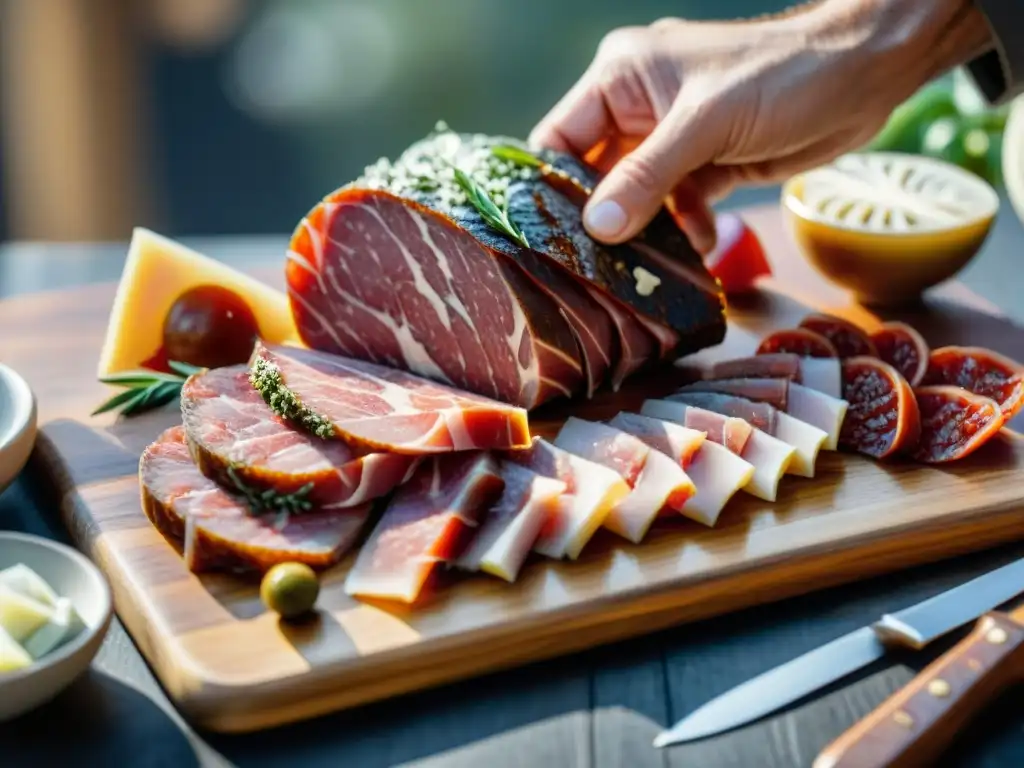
column 913, row 726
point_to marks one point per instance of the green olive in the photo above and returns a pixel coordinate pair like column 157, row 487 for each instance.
column 290, row 589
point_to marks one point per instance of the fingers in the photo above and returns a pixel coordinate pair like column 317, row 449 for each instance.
column 637, row 186
column 577, row 122
column 694, row 217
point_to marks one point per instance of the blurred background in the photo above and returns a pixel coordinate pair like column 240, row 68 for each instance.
column 203, row 117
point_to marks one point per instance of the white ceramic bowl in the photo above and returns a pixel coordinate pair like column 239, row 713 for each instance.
column 71, row 575
column 17, row 424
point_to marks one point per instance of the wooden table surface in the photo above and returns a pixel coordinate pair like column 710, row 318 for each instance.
column 600, row 708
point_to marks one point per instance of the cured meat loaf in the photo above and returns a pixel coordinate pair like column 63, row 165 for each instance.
column 519, row 305
column 220, row 531
column 237, row 440
column 380, row 407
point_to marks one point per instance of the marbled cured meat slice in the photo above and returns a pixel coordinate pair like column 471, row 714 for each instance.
column 847, row 338
column 772, row 365
column 902, row 347
column 954, row 423
column 512, row 525
column 381, row 407
column 429, row 520
column 883, row 419
column 453, row 314
column 730, row 432
column 769, row 456
column 802, row 403
column 591, row 491
column 636, row 346
column 446, row 310
column 806, row 440
column 235, row 437
column 656, row 481
column 798, row 341
column 980, row 371
column 219, row 529
column 716, row 473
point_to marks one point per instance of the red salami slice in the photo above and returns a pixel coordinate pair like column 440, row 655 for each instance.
column 882, row 419
column 847, row 338
column 904, row 349
column 799, row 341
column 954, row 423
column 980, row 371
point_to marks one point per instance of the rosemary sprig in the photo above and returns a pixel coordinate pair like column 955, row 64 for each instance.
column 145, row 388
column 270, row 500
column 497, row 218
column 517, row 155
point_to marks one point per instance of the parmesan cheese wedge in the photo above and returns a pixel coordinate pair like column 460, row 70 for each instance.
column 157, row 271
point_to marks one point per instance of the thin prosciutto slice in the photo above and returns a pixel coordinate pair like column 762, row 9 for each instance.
column 774, row 365
column 716, row 472
column 591, row 491
column 808, row 405
column 770, row 457
column 513, row 523
column 386, row 408
column 729, row 432
column 656, row 481
column 234, row 437
column 220, row 531
column 427, row 522
column 806, row 440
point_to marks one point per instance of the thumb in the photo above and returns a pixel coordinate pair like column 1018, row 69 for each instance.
column 636, row 187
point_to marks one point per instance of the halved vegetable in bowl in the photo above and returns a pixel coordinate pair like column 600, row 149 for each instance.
column 886, row 225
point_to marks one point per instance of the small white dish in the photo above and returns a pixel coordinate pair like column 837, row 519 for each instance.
column 71, row 575
column 17, row 424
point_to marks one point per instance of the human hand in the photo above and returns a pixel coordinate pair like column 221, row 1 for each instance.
column 683, row 111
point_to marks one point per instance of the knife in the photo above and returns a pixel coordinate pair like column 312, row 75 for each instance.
column 913, row 627
column 914, row 726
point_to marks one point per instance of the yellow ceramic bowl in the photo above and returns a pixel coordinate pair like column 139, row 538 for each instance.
column 886, row 225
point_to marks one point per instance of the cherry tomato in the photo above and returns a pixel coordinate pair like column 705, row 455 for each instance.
column 739, row 258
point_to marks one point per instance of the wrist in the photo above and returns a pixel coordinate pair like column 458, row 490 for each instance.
column 906, row 43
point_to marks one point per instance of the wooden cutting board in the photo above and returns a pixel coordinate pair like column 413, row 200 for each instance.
column 231, row 666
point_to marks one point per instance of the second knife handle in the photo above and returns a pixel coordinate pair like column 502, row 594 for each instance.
column 913, row 726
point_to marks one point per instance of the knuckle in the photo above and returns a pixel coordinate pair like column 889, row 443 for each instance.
column 665, row 24
column 624, row 41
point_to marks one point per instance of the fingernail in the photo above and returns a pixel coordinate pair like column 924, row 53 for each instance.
column 606, row 219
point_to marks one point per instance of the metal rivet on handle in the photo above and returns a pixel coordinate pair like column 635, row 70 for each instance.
column 939, row 688
column 996, row 636
column 902, row 718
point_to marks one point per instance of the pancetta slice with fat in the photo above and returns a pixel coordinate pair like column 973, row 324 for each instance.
column 429, row 520
column 716, row 473
column 235, row 439
column 656, row 481
column 512, row 525
column 591, row 491
column 806, row 440
column 221, row 531
column 808, row 405
column 770, row 457
column 388, row 409
column 729, row 432
column 774, row 365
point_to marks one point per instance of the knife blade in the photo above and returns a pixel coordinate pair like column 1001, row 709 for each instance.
column 916, row 724
column 913, row 627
